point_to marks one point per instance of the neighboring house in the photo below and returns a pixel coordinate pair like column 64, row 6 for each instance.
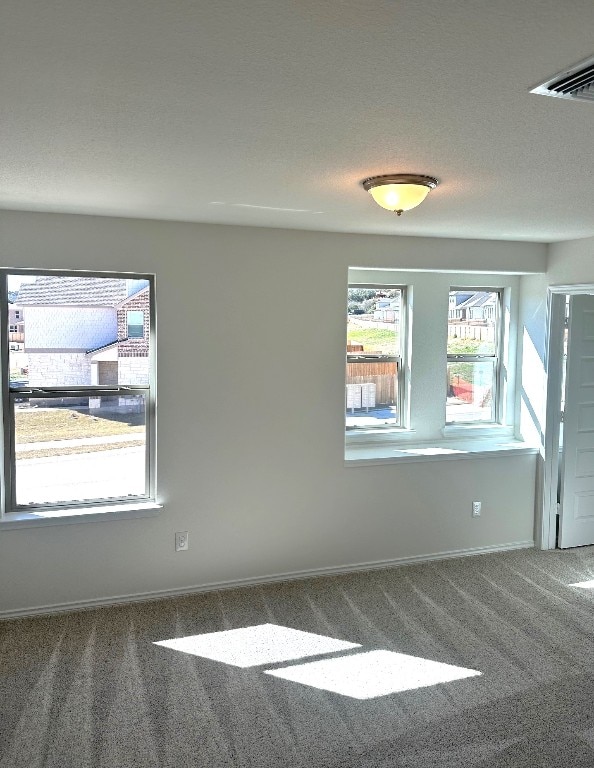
column 16, row 327
column 86, row 330
column 387, row 310
column 456, row 299
column 475, row 306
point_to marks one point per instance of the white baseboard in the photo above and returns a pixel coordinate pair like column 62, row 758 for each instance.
column 100, row 602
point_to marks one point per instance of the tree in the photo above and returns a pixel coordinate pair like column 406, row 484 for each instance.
column 354, row 308
column 361, row 294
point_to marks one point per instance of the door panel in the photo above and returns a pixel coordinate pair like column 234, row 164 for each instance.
column 576, row 526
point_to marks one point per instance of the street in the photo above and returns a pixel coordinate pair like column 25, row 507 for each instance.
column 82, row 476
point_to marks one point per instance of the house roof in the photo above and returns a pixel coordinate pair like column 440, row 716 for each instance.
column 102, row 348
column 477, row 300
column 461, row 296
column 55, row 290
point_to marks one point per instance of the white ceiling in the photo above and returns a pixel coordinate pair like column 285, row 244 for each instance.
column 270, row 112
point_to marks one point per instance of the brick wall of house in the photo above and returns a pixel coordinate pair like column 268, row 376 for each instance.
column 134, row 347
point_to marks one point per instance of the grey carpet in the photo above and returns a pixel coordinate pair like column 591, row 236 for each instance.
column 90, row 689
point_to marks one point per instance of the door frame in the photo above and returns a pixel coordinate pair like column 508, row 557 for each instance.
column 554, row 374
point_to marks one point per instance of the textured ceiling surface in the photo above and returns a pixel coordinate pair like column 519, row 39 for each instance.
column 270, row 113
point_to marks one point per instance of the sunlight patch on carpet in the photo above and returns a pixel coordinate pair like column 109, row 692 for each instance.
column 372, row 674
column 254, row 646
column 584, row 584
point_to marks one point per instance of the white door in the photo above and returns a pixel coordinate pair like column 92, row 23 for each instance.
column 576, row 525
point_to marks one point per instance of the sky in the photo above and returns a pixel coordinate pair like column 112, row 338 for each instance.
column 15, row 281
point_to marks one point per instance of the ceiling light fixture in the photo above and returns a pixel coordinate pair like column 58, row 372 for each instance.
column 399, row 191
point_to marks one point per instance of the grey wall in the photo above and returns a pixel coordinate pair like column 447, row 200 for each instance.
column 251, row 327
column 571, row 262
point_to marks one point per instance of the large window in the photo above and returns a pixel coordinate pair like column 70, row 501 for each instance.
column 473, row 355
column 374, row 390
column 78, row 395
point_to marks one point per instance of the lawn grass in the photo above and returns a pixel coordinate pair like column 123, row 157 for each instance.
column 466, row 346
column 374, row 339
column 41, row 424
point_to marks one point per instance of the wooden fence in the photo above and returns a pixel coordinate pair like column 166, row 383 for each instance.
column 478, row 332
column 383, row 375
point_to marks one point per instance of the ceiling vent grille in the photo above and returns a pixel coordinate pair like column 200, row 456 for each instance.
column 576, row 83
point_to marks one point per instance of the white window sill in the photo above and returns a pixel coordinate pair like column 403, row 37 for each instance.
column 71, row 515
column 378, row 436
column 439, row 450
column 472, row 431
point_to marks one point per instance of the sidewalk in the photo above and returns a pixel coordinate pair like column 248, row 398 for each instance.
column 81, row 441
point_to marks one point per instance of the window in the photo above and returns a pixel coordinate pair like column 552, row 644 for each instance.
column 374, row 389
column 79, row 406
column 473, row 355
column 13, row 328
column 135, row 324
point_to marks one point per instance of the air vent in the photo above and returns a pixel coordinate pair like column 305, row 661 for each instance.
column 575, row 83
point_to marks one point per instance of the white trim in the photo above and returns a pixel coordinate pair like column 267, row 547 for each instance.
column 479, row 429
column 373, row 436
column 470, row 271
column 546, row 513
column 546, row 526
column 71, row 515
column 439, row 450
column 259, row 580
column 396, row 435
column 575, row 289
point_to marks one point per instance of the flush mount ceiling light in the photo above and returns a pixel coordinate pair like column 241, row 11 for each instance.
column 399, row 191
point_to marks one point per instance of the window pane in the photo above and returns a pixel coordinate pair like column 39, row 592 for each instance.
column 470, row 391
column 373, row 357
column 472, row 322
column 71, row 449
column 135, row 321
column 73, row 329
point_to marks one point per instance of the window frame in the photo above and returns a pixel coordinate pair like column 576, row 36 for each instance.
column 402, row 377
column 9, row 509
column 477, row 358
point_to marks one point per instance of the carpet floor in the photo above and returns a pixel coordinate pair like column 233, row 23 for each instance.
column 482, row 661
